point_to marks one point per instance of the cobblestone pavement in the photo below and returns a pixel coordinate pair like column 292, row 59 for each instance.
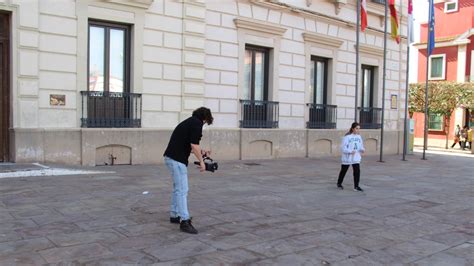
column 273, row 212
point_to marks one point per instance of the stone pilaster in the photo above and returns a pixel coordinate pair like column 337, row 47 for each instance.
column 193, row 45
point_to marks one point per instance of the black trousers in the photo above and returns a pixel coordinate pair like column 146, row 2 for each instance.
column 355, row 169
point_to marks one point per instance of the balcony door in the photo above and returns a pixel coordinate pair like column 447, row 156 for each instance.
column 108, row 97
column 256, row 110
column 369, row 115
column 367, row 86
column 319, row 79
column 256, row 73
column 4, row 85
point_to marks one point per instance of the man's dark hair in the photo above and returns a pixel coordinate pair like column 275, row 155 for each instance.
column 204, row 114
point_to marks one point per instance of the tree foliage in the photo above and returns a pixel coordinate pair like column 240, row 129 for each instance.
column 443, row 97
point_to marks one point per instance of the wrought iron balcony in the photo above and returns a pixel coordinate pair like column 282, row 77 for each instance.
column 370, row 117
column 322, row 116
column 382, row 2
column 111, row 109
column 259, row 114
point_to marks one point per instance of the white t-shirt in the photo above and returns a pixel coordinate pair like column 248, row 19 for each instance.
column 350, row 143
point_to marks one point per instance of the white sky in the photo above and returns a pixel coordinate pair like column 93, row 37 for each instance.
column 420, row 15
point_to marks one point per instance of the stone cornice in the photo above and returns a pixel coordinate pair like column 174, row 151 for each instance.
column 370, row 49
column 133, row 3
column 322, row 39
column 257, row 25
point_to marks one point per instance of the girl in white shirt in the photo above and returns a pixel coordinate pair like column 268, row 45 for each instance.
column 352, row 148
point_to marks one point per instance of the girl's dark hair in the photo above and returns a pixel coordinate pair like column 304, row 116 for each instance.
column 204, row 114
column 354, row 125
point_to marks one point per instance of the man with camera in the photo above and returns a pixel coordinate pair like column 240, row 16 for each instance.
column 184, row 139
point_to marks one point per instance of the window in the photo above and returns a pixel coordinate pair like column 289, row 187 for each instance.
column 367, row 86
column 435, row 122
column 437, row 67
column 257, row 111
column 319, row 77
column 256, row 73
column 109, row 57
column 108, row 101
column 451, row 6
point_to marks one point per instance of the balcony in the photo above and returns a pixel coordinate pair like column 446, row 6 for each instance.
column 111, row 109
column 259, row 114
column 382, row 2
column 322, row 116
column 370, row 117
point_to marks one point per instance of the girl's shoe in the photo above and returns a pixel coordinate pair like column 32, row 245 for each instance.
column 358, row 189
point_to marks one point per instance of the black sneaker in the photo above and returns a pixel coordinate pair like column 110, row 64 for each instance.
column 339, row 186
column 187, row 227
column 358, row 189
column 175, row 220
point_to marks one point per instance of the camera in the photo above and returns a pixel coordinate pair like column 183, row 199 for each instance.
column 211, row 166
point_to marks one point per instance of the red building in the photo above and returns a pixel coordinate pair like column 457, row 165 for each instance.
column 451, row 60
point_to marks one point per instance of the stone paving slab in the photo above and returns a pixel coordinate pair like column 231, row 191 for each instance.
column 265, row 212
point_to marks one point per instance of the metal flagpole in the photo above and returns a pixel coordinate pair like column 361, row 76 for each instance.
column 407, row 84
column 383, row 84
column 428, row 52
column 357, row 61
column 405, row 128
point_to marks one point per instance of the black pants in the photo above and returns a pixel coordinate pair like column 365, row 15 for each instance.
column 355, row 169
column 457, row 142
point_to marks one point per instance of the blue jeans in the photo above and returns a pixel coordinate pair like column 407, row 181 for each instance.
column 179, row 197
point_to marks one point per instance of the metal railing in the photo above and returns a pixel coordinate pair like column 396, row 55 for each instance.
column 382, row 2
column 111, row 109
column 370, row 117
column 259, row 114
column 322, row 116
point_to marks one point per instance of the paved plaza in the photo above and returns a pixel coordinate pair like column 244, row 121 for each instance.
column 269, row 212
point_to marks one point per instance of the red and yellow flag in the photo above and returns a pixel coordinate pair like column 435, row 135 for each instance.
column 394, row 21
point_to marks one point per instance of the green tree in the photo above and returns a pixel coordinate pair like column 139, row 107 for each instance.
column 443, row 98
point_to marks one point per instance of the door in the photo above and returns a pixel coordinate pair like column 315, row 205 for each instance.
column 4, row 85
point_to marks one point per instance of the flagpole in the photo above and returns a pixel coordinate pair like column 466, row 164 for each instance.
column 357, row 61
column 428, row 52
column 383, row 80
column 405, row 128
column 407, row 84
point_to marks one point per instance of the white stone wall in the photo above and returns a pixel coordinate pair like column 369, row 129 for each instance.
column 188, row 54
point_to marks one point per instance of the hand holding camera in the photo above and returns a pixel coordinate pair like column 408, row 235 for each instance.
column 209, row 164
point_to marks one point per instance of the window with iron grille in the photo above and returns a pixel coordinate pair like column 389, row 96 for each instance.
column 257, row 111
column 108, row 101
column 321, row 115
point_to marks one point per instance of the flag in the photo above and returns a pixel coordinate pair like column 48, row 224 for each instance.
column 394, row 21
column 410, row 22
column 431, row 25
column 363, row 15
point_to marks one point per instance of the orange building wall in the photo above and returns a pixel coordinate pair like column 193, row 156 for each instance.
column 470, row 48
column 444, row 26
column 451, row 62
column 420, row 124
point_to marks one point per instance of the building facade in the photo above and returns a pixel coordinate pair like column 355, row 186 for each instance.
column 105, row 82
column 451, row 60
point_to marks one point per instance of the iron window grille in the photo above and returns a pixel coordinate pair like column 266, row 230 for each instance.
column 259, row 114
column 322, row 116
column 370, row 117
